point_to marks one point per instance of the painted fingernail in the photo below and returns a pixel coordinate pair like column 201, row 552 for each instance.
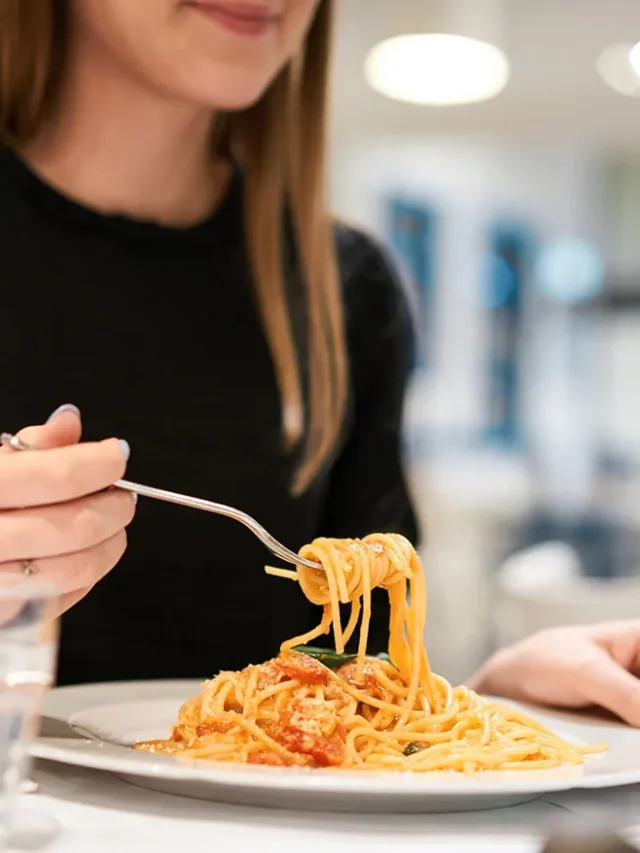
column 68, row 407
column 126, row 450
column 134, row 495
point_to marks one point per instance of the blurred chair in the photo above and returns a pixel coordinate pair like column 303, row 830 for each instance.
column 544, row 587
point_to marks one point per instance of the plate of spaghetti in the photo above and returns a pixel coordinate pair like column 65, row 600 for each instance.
column 317, row 727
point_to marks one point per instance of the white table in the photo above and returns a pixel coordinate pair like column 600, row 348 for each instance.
column 97, row 813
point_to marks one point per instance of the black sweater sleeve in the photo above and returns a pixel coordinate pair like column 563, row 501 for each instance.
column 367, row 490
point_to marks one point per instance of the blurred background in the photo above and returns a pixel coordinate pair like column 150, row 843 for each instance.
column 496, row 152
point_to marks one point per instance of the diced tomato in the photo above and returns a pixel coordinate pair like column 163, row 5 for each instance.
column 325, row 752
column 302, row 667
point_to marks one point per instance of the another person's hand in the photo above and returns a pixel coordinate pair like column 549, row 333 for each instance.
column 56, row 518
column 577, row 667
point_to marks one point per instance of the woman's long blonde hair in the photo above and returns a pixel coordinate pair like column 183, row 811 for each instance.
column 281, row 142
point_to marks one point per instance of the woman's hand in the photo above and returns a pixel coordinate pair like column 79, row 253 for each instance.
column 571, row 667
column 54, row 512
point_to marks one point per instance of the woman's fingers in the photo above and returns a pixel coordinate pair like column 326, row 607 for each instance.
column 38, row 478
column 64, row 528
column 62, row 470
column 609, row 685
column 56, row 507
column 571, row 667
column 78, row 571
column 64, row 427
column 74, row 575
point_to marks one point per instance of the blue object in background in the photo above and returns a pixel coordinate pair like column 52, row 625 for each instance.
column 504, row 277
column 412, row 227
column 570, row 271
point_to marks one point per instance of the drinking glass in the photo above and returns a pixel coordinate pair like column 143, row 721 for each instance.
column 28, row 651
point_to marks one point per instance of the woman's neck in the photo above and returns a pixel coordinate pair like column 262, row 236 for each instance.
column 121, row 148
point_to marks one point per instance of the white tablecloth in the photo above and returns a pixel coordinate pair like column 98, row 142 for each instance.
column 79, row 811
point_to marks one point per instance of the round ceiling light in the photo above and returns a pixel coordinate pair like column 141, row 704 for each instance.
column 619, row 67
column 437, row 69
column 634, row 59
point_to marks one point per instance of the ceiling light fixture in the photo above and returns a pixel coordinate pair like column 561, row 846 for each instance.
column 634, row 59
column 437, row 69
column 619, row 67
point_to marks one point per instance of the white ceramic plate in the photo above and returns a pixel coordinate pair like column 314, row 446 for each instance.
column 94, row 726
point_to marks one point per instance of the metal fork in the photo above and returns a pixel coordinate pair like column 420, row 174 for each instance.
column 257, row 529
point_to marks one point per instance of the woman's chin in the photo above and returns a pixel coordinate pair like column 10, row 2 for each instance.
column 236, row 95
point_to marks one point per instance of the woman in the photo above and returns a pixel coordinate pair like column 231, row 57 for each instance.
column 175, row 273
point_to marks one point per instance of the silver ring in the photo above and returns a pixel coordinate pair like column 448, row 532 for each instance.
column 29, row 568
column 14, row 442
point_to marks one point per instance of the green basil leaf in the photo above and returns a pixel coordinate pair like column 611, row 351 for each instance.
column 412, row 748
column 331, row 659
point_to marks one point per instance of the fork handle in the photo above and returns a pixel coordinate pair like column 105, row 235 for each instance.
column 257, row 529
